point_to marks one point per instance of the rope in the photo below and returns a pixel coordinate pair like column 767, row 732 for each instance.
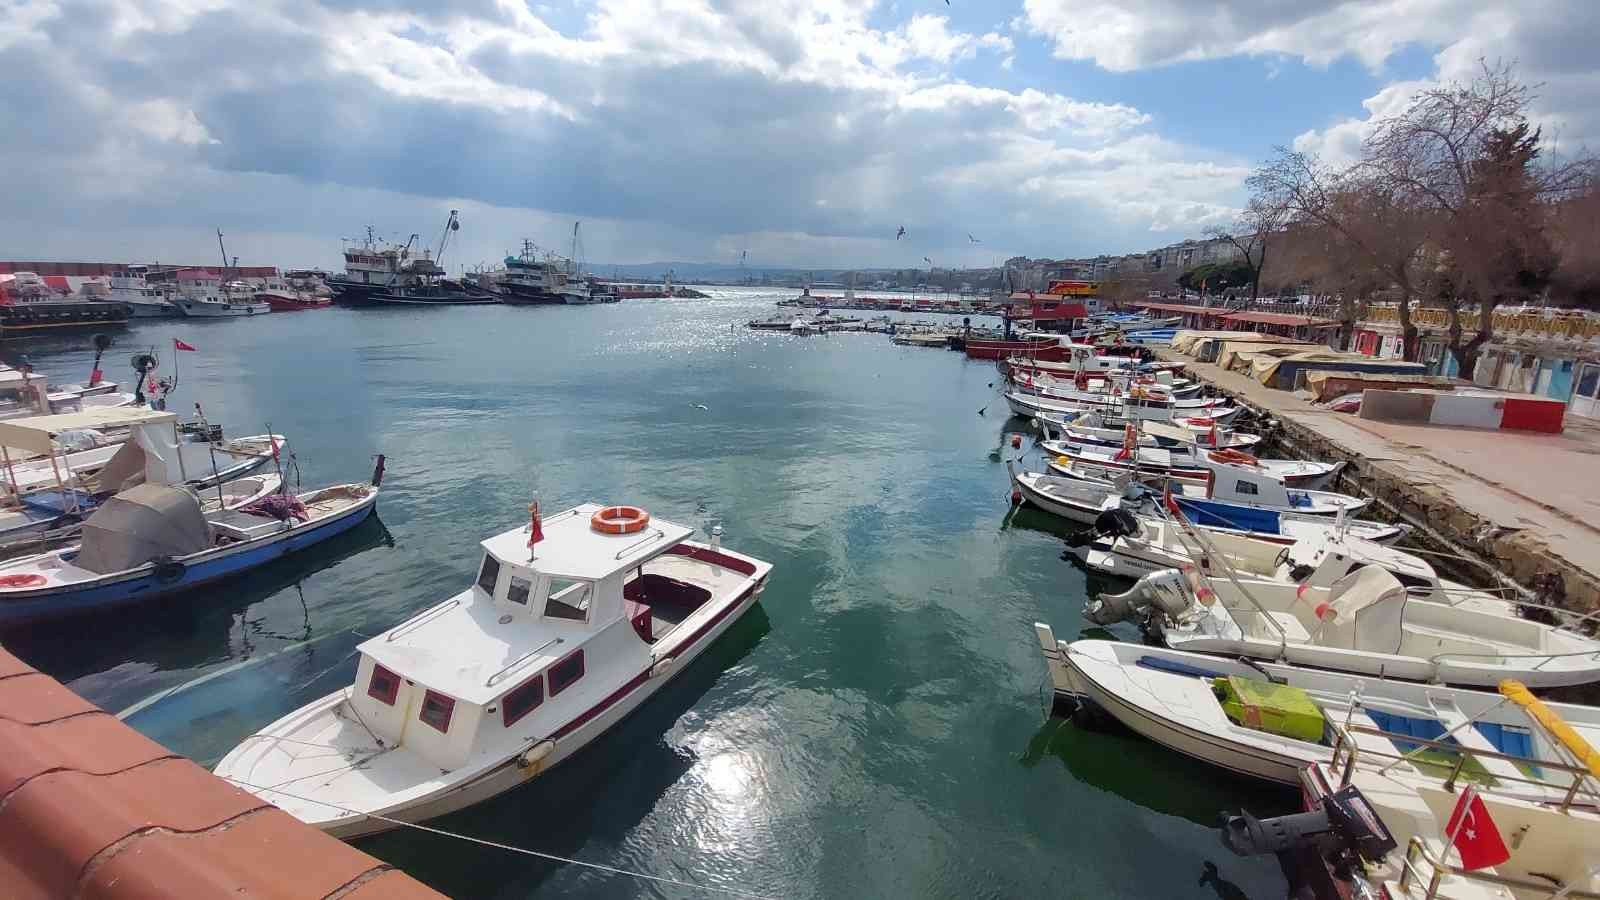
column 662, row 879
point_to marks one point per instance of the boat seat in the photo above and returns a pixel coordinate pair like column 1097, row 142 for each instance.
column 1293, row 631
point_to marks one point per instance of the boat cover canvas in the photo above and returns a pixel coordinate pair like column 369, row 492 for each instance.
column 1367, row 610
column 139, row 525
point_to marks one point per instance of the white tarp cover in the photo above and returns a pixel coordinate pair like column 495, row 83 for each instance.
column 141, row 524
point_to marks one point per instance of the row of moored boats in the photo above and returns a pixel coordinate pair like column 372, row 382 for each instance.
column 1283, row 637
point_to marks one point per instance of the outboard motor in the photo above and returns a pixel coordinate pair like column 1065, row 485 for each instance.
column 1113, row 523
column 1343, row 830
column 1165, row 592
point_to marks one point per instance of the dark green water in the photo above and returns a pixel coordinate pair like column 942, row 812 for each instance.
column 876, row 727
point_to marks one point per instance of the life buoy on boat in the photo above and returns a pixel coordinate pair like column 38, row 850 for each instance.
column 619, row 520
column 1238, row 457
column 18, row 581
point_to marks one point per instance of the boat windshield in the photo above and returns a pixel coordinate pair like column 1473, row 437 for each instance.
column 568, row 600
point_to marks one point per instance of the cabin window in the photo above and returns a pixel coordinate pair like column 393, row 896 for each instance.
column 436, row 710
column 518, row 590
column 523, row 700
column 566, row 672
column 489, row 574
column 384, row 686
column 568, row 600
column 1245, row 487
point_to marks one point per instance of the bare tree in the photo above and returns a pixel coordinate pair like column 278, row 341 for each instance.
column 1465, row 154
column 1575, row 232
column 1262, row 218
column 1379, row 230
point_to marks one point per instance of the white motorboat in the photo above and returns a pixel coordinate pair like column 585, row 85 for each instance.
column 1309, row 551
column 1192, row 461
column 1241, row 485
column 489, row 689
column 1271, row 720
column 1074, row 499
column 1542, row 805
column 1114, row 412
column 1366, row 622
column 1089, row 428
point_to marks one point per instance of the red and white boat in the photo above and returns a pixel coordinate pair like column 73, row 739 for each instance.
column 296, row 291
column 554, row 642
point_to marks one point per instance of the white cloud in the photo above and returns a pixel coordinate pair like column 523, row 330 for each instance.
column 1122, row 35
column 672, row 127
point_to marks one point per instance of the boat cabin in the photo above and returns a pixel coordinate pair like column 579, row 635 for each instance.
column 539, row 641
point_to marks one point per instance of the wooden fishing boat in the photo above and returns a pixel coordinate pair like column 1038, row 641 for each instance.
column 152, row 541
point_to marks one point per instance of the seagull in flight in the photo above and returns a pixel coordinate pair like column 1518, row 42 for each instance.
column 973, row 239
column 901, row 233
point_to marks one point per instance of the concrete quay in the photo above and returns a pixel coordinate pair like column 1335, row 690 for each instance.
column 1523, row 503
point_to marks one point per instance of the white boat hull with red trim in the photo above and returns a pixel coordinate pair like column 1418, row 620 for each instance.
column 498, row 684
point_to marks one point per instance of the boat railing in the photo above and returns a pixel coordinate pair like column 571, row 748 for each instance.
column 420, row 619
column 653, row 535
column 1347, row 751
column 1438, row 658
column 519, row 661
column 1417, row 851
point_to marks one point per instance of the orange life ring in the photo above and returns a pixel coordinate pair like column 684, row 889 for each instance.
column 619, row 520
column 17, row 581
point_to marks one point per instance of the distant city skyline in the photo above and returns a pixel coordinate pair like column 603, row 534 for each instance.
column 805, row 133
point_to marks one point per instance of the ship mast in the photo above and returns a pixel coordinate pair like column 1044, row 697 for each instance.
column 450, row 224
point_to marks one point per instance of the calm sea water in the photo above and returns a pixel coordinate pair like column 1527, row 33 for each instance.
column 877, row 727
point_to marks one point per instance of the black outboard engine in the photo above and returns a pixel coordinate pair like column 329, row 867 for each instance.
column 1113, row 523
column 1343, row 831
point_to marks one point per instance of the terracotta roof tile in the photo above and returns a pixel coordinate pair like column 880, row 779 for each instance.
column 33, row 699
column 391, row 884
column 97, row 744
column 10, row 665
column 251, row 856
column 68, row 818
column 90, row 808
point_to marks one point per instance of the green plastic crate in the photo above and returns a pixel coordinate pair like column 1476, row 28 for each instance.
column 1273, row 708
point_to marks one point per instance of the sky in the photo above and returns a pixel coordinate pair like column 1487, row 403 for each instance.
column 801, row 132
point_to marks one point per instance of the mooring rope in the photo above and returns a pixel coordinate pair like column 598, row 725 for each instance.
column 513, row 849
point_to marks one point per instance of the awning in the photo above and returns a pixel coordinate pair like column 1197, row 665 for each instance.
column 1272, row 318
column 36, row 434
column 1184, row 309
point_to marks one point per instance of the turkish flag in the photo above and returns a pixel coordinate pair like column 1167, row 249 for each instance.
column 1474, row 834
column 180, row 345
column 535, row 527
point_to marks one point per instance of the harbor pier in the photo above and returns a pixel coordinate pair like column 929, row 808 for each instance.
column 1523, row 504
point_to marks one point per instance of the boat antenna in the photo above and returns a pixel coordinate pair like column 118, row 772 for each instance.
column 224, row 250
column 211, row 448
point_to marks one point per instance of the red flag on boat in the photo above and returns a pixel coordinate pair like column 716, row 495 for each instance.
column 273, row 440
column 535, row 527
column 95, row 377
column 1474, row 834
column 180, row 345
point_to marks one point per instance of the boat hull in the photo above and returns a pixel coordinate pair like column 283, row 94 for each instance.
column 222, row 310
column 1208, row 748
column 569, row 739
column 144, row 584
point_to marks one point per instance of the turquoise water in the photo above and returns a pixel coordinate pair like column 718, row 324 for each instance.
column 876, row 727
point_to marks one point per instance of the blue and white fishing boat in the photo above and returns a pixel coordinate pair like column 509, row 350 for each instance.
column 153, row 540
